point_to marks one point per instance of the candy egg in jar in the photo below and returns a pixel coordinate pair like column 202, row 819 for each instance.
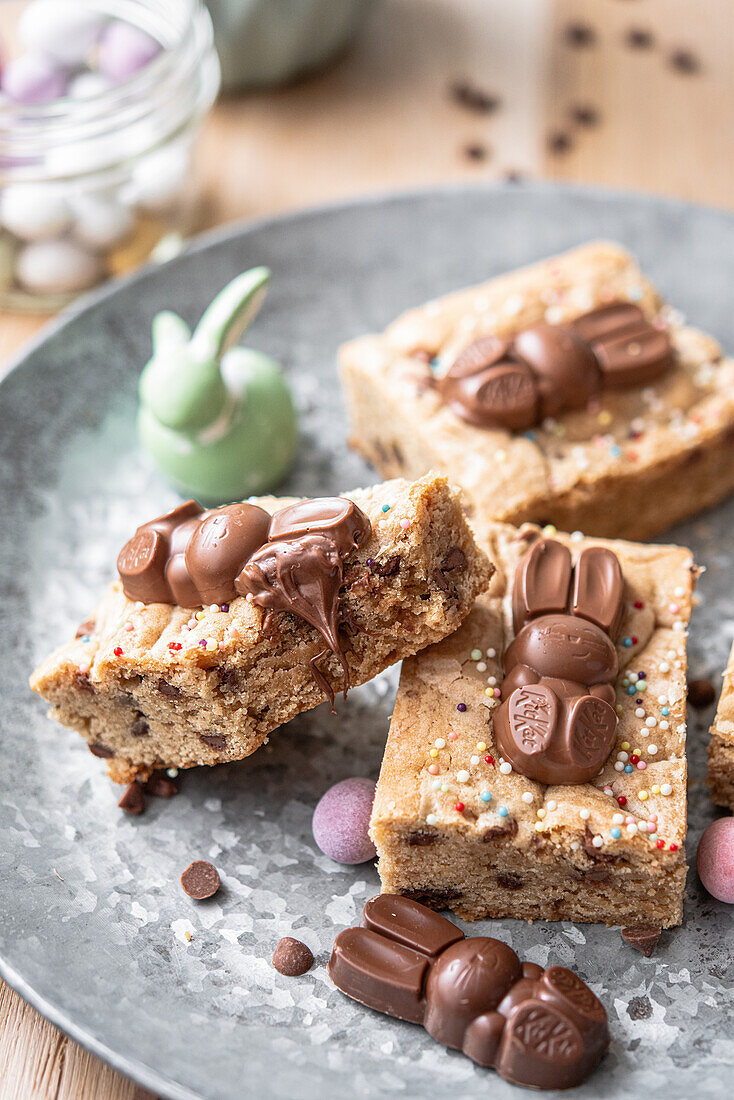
column 101, row 105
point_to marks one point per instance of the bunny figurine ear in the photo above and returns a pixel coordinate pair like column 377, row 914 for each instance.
column 169, row 331
column 231, row 313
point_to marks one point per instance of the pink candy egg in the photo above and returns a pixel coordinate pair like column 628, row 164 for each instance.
column 715, row 859
column 341, row 819
column 34, row 78
column 124, row 50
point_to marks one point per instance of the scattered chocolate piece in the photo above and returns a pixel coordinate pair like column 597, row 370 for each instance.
column 584, row 115
column 476, row 152
column 169, row 690
column 639, row 38
column 685, row 62
column 140, row 728
column 85, row 628
column 701, row 694
column 474, row 99
column 559, row 143
column 133, row 800
column 292, row 958
column 215, row 741
column 643, row 937
column 539, row 1028
column 97, row 749
column 200, row 880
column 160, row 786
column 579, row 35
column 82, row 682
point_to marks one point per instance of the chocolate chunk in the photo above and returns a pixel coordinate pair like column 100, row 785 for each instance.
column 159, row 785
column 685, row 62
column 387, row 568
column 501, row 832
column 639, row 38
column 539, row 1028
column 583, row 115
column 559, row 142
column 82, row 682
column 292, row 958
column 473, row 98
column 434, row 898
column 421, row 838
column 214, row 741
column 200, row 880
column 168, row 689
column 510, row 881
column 133, row 800
column 98, row 749
column 643, row 937
column 455, row 559
column 701, row 694
column 579, row 34
column 228, row 679
column 476, row 152
column 85, row 628
column 140, row 727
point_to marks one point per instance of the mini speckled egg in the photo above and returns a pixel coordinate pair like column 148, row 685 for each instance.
column 57, row 267
column 34, row 211
column 341, row 820
column 715, row 859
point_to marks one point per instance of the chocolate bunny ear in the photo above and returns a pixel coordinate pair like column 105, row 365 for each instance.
column 598, row 589
column 542, row 582
column 629, row 349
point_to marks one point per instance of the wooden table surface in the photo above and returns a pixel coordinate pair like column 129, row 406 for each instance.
column 634, row 94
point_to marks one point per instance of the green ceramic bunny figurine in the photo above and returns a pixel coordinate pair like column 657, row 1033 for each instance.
column 218, row 420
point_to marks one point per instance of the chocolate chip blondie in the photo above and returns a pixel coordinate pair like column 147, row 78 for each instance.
column 564, row 393
column 535, row 765
column 721, row 744
column 226, row 624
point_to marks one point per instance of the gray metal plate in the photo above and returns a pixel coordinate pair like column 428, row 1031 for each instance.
column 94, row 929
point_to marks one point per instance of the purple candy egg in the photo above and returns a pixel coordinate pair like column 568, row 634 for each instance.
column 124, row 50
column 715, row 859
column 341, row 820
column 34, row 78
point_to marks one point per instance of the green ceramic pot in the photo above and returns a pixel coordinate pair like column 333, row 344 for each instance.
column 265, row 42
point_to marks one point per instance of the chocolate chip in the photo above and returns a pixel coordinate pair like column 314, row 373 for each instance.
column 441, row 581
column 474, row 99
column 82, row 682
column 387, row 568
column 133, row 800
column 433, row 898
column 476, row 152
column 87, row 627
column 559, row 142
column 508, row 881
column 170, row 690
column 455, row 559
column 639, row 1008
column 643, row 937
column 579, row 34
column 584, row 115
column 160, row 785
column 200, row 880
column 421, row 837
column 685, row 62
column 292, row 958
column 140, row 727
column 497, row 832
column 638, row 38
column 598, row 873
column 214, row 740
column 100, row 750
column 701, row 694
column 228, row 679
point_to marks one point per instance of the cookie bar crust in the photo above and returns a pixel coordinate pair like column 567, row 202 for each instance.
column 721, row 744
column 152, row 686
column 456, row 828
column 633, row 463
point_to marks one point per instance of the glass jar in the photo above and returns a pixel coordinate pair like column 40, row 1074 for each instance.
column 95, row 183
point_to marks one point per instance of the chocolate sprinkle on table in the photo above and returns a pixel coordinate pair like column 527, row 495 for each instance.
column 684, row 61
column 701, row 694
column 476, row 152
column 585, row 115
column 559, row 142
column 133, row 800
column 292, row 958
column 643, row 937
column 474, row 99
column 200, row 880
column 639, row 38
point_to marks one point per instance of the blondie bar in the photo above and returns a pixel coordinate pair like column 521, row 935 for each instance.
column 226, row 624
column 564, row 393
column 721, row 744
column 457, row 825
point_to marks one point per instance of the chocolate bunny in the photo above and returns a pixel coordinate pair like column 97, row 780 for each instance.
column 539, row 1028
column 556, row 722
column 546, row 369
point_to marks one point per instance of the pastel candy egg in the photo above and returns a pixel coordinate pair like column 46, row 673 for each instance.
column 89, row 85
column 34, row 78
column 341, row 819
column 57, row 267
column 101, row 223
column 124, row 50
column 63, row 30
column 715, row 859
column 158, row 179
column 34, row 211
